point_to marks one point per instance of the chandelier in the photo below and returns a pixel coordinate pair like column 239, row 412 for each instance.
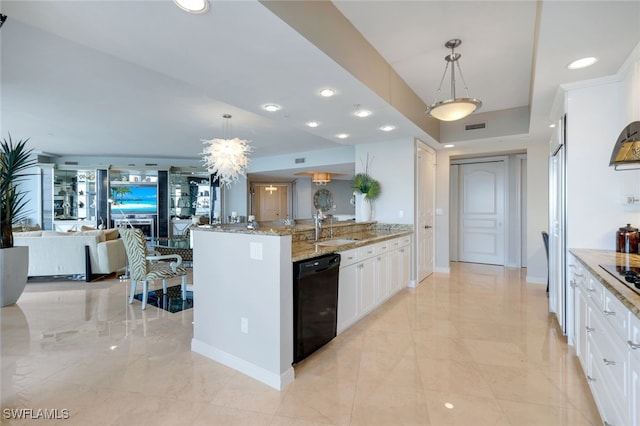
column 321, row 178
column 453, row 108
column 226, row 158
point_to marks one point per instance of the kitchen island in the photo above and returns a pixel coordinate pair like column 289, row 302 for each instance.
column 243, row 283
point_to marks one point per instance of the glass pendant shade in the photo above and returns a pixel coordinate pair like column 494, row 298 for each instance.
column 453, row 108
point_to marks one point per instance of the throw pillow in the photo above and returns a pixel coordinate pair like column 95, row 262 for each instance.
column 111, row 234
column 88, row 228
column 97, row 233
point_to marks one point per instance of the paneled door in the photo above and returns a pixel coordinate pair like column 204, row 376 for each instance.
column 425, row 194
column 271, row 204
column 482, row 206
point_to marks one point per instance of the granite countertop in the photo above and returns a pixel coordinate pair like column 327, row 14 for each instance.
column 592, row 259
column 302, row 250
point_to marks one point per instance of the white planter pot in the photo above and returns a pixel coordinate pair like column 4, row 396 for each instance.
column 363, row 209
column 14, row 266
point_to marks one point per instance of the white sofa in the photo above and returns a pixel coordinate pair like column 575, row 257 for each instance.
column 64, row 253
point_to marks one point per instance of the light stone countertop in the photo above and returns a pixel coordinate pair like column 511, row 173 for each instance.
column 592, row 259
column 303, row 245
column 307, row 249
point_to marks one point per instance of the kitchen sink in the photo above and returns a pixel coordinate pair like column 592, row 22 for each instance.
column 336, row 242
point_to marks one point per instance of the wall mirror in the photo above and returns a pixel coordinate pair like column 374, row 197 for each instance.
column 323, row 200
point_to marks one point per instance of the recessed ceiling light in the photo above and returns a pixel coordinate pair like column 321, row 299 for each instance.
column 362, row 113
column 193, row 6
column 271, row 107
column 582, row 63
column 327, row 93
column 342, row 135
column 387, row 128
column 312, row 123
column 552, row 125
column 449, row 145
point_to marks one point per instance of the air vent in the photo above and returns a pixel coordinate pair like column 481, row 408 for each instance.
column 475, row 126
column 150, row 164
column 71, row 163
column 300, row 160
column 44, row 159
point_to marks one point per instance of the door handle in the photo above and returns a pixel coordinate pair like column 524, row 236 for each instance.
column 428, row 227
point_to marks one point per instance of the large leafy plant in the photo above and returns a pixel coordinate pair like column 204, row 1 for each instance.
column 15, row 159
column 363, row 183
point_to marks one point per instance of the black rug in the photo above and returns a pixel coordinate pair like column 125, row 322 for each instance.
column 171, row 302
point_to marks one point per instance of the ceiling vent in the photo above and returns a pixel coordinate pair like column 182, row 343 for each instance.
column 300, row 160
column 71, row 163
column 476, row 126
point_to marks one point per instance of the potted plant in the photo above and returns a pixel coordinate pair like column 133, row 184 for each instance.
column 15, row 159
column 368, row 190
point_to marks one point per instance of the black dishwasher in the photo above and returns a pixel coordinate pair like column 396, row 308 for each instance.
column 315, row 303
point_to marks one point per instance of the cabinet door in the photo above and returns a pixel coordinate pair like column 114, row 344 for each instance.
column 367, row 285
column 582, row 323
column 347, row 297
column 394, row 271
column 634, row 394
column 382, row 277
column 405, row 267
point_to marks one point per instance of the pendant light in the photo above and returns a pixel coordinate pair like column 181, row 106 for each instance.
column 453, row 108
column 226, row 158
column 320, row 178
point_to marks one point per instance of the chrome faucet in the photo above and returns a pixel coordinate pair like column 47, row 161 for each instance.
column 318, row 223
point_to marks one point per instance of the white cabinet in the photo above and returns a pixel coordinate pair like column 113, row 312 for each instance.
column 605, row 334
column 369, row 275
column 367, row 282
column 633, row 344
column 347, row 291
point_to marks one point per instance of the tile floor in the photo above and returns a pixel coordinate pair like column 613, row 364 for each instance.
column 476, row 347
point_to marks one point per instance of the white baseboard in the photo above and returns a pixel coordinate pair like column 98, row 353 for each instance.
column 532, row 279
column 443, row 270
column 275, row 380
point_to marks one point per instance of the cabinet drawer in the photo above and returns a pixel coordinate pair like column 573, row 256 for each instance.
column 610, row 358
column 365, row 252
column 405, row 241
column 349, row 257
column 616, row 314
column 633, row 340
column 382, row 247
column 595, row 291
column 605, row 400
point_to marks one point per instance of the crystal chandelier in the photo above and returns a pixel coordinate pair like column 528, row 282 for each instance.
column 226, row 158
column 453, row 108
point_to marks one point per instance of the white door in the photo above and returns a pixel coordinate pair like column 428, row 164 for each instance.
column 426, row 191
column 482, row 200
column 271, row 204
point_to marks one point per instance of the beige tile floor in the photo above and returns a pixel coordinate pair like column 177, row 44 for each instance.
column 476, row 347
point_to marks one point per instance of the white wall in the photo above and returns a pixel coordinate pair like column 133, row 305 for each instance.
column 594, row 190
column 393, row 164
column 259, row 290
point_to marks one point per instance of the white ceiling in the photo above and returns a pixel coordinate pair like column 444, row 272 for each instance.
column 145, row 79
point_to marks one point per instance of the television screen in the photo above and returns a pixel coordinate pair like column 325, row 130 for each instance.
column 135, row 198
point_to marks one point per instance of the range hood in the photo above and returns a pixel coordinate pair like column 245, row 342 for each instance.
column 626, row 151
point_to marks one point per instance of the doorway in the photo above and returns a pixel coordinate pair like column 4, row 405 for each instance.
column 487, row 215
column 271, row 202
column 425, row 201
